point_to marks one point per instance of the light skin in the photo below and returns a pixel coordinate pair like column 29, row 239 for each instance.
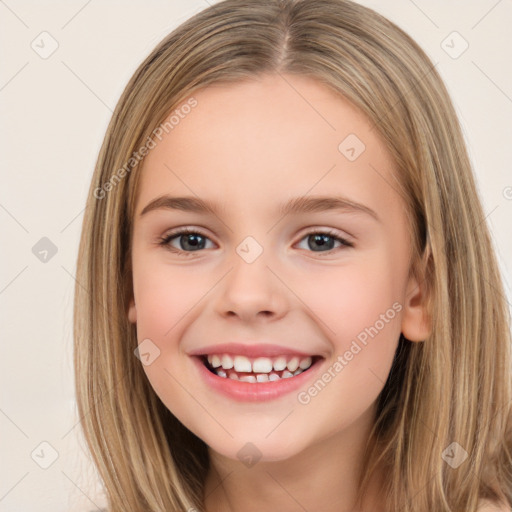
column 250, row 147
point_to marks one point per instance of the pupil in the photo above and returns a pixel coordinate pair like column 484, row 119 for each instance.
column 320, row 240
column 192, row 241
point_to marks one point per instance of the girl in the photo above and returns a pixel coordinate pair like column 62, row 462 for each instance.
column 287, row 297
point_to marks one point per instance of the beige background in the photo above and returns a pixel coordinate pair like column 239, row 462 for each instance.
column 54, row 112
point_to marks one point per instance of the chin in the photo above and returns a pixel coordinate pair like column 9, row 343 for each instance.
column 252, row 449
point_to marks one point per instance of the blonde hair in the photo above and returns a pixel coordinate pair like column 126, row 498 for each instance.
column 453, row 387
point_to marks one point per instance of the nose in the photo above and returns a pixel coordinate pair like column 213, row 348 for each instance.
column 252, row 291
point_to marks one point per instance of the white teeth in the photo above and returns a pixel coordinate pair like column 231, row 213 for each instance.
column 305, row 363
column 262, row 365
column 214, row 361
column 293, row 364
column 260, row 377
column 227, row 362
column 279, row 363
column 242, row 364
column 267, row 369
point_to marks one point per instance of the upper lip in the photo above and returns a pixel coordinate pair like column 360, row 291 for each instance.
column 249, row 350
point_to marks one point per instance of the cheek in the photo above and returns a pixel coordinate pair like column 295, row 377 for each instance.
column 360, row 313
column 351, row 299
column 163, row 297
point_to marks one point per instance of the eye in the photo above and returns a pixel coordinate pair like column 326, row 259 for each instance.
column 325, row 240
column 188, row 240
column 191, row 240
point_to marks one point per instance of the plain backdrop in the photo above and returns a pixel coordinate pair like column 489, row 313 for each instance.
column 54, row 111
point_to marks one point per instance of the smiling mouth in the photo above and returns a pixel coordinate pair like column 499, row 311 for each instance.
column 259, row 369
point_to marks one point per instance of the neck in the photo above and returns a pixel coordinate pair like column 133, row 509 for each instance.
column 324, row 476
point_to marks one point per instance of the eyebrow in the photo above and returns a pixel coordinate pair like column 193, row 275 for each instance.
column 309, row 204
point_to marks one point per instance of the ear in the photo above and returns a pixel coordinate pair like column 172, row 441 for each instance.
column 128, row 291
column 132, row 312
column 416, row 320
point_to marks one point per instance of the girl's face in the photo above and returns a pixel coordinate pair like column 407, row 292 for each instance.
column 298, row 254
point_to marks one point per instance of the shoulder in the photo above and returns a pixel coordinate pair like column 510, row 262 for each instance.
column 489, row 506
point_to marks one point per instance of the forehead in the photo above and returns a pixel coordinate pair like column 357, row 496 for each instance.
column 261, row 140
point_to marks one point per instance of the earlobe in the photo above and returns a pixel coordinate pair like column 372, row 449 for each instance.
column 132, row 312
column 416, row 321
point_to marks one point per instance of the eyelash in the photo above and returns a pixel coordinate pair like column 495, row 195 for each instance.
column 164, row 241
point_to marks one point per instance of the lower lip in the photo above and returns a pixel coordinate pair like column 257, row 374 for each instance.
column 257, row 391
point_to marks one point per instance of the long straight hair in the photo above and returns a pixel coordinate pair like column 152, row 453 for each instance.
column 455, row 387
